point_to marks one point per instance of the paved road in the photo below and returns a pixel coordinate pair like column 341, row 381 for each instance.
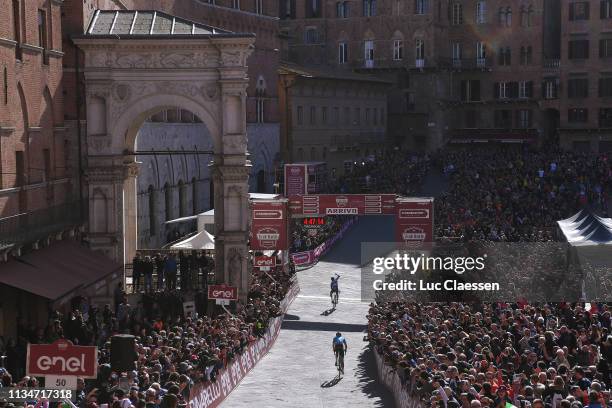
column 299, row 370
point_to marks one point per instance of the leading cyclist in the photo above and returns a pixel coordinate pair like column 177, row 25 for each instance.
column 339, row 346
column 334, row 286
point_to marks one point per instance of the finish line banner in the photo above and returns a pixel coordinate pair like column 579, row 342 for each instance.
column 269, row 225
column 342, row 204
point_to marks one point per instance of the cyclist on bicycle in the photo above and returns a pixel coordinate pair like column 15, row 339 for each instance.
column 339, row 346
column 334, row 286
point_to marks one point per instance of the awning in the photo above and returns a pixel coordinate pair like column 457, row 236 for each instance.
column 585, row 228
column 57, row 270
column 201, row 240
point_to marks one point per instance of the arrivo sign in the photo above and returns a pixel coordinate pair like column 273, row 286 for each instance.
column 222, row 292
column 62, row 358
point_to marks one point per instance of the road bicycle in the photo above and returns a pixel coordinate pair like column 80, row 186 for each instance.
column 334, row 299
column 340, row 362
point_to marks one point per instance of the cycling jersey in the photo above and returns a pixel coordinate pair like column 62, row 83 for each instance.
column 338, row 342
column 334, row 284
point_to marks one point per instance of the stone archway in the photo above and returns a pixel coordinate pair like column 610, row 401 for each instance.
column 128, row 78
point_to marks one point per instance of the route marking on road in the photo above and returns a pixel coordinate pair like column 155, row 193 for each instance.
column 358, row 300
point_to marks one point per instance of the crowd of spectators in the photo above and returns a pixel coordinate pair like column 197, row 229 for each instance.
column 308, row 237
column 174, row 350
column 472, row 355
column 391, row 171
column 158, row 272
column 515, row 194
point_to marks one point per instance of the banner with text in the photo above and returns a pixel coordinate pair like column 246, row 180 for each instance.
column 295, row 179
column 312, row 256
column 414, row 222
column 342, row 204
column 269, row 225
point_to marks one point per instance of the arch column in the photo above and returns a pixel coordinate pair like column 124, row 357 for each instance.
column 230, row 172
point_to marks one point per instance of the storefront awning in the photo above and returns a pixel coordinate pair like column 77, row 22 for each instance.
column 57, row 270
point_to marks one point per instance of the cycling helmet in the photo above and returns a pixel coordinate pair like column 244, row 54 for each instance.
column 339, row 334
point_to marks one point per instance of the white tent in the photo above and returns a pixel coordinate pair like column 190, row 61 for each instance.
column 586, row 229
column 201, row 240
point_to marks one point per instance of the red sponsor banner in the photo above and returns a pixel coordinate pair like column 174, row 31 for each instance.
column 302, row 258
column 265, row 261
column 222, row 292
column 414, row 222
column 269, row 225
column 295, row 179
column 62, row 358
column 342, row 204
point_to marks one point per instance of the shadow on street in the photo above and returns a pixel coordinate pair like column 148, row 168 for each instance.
column 368, row 380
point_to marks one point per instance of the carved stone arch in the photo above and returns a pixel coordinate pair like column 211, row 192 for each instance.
column 129, row 78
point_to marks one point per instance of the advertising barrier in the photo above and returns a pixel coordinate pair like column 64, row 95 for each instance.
column 211, row 395
column 390, row 379
column 309, row 257
column 269, row 225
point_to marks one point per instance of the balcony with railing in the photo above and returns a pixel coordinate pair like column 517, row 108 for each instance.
column 32, row 226
column 551, row 64
column 466, row 63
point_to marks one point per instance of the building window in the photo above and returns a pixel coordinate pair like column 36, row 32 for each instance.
column 342, row 9
column 421, row 6
column 457, row 14
column 324, row 115
column 382, row 116
column 504, row 56
column 367, row 116
column 375, row 116
column 311, row 36
column 505, row 16
column 259, row 109
column 236, row 4
column 481, row 54
column 577, row 115
column 605, row 117
column 525, row 89
column 168, row 201
column 524, row 118
column 579, row 10
column 313, row 153
column 300, row 154
column 578, row 49
column 259, row 7
column 456, row 53
column 481, row 12
column 152, row 209
column 605, row 87
column 42, row 35
column 324, row 153
column 368, row 48
column 470, row 90
column 369, row 8
column 526, row 55
column 287, row 9
column 357, row 117
column 503, row 119
column 578, row 88
column 313, row 115
column 419, row 52
column 605, row 9
column 17, row 29
column 313, row 9
column 398, row 50
column 336, row 115
column 549, row 89
column 300, row 115
column 505, row 90
column 605, row 48
column 5, row 86
column 347, row 116
column 342, row 53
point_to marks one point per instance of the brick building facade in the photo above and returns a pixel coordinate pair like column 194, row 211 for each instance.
column 470, row 69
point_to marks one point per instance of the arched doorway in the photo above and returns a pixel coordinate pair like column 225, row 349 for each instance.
column 130, row 77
